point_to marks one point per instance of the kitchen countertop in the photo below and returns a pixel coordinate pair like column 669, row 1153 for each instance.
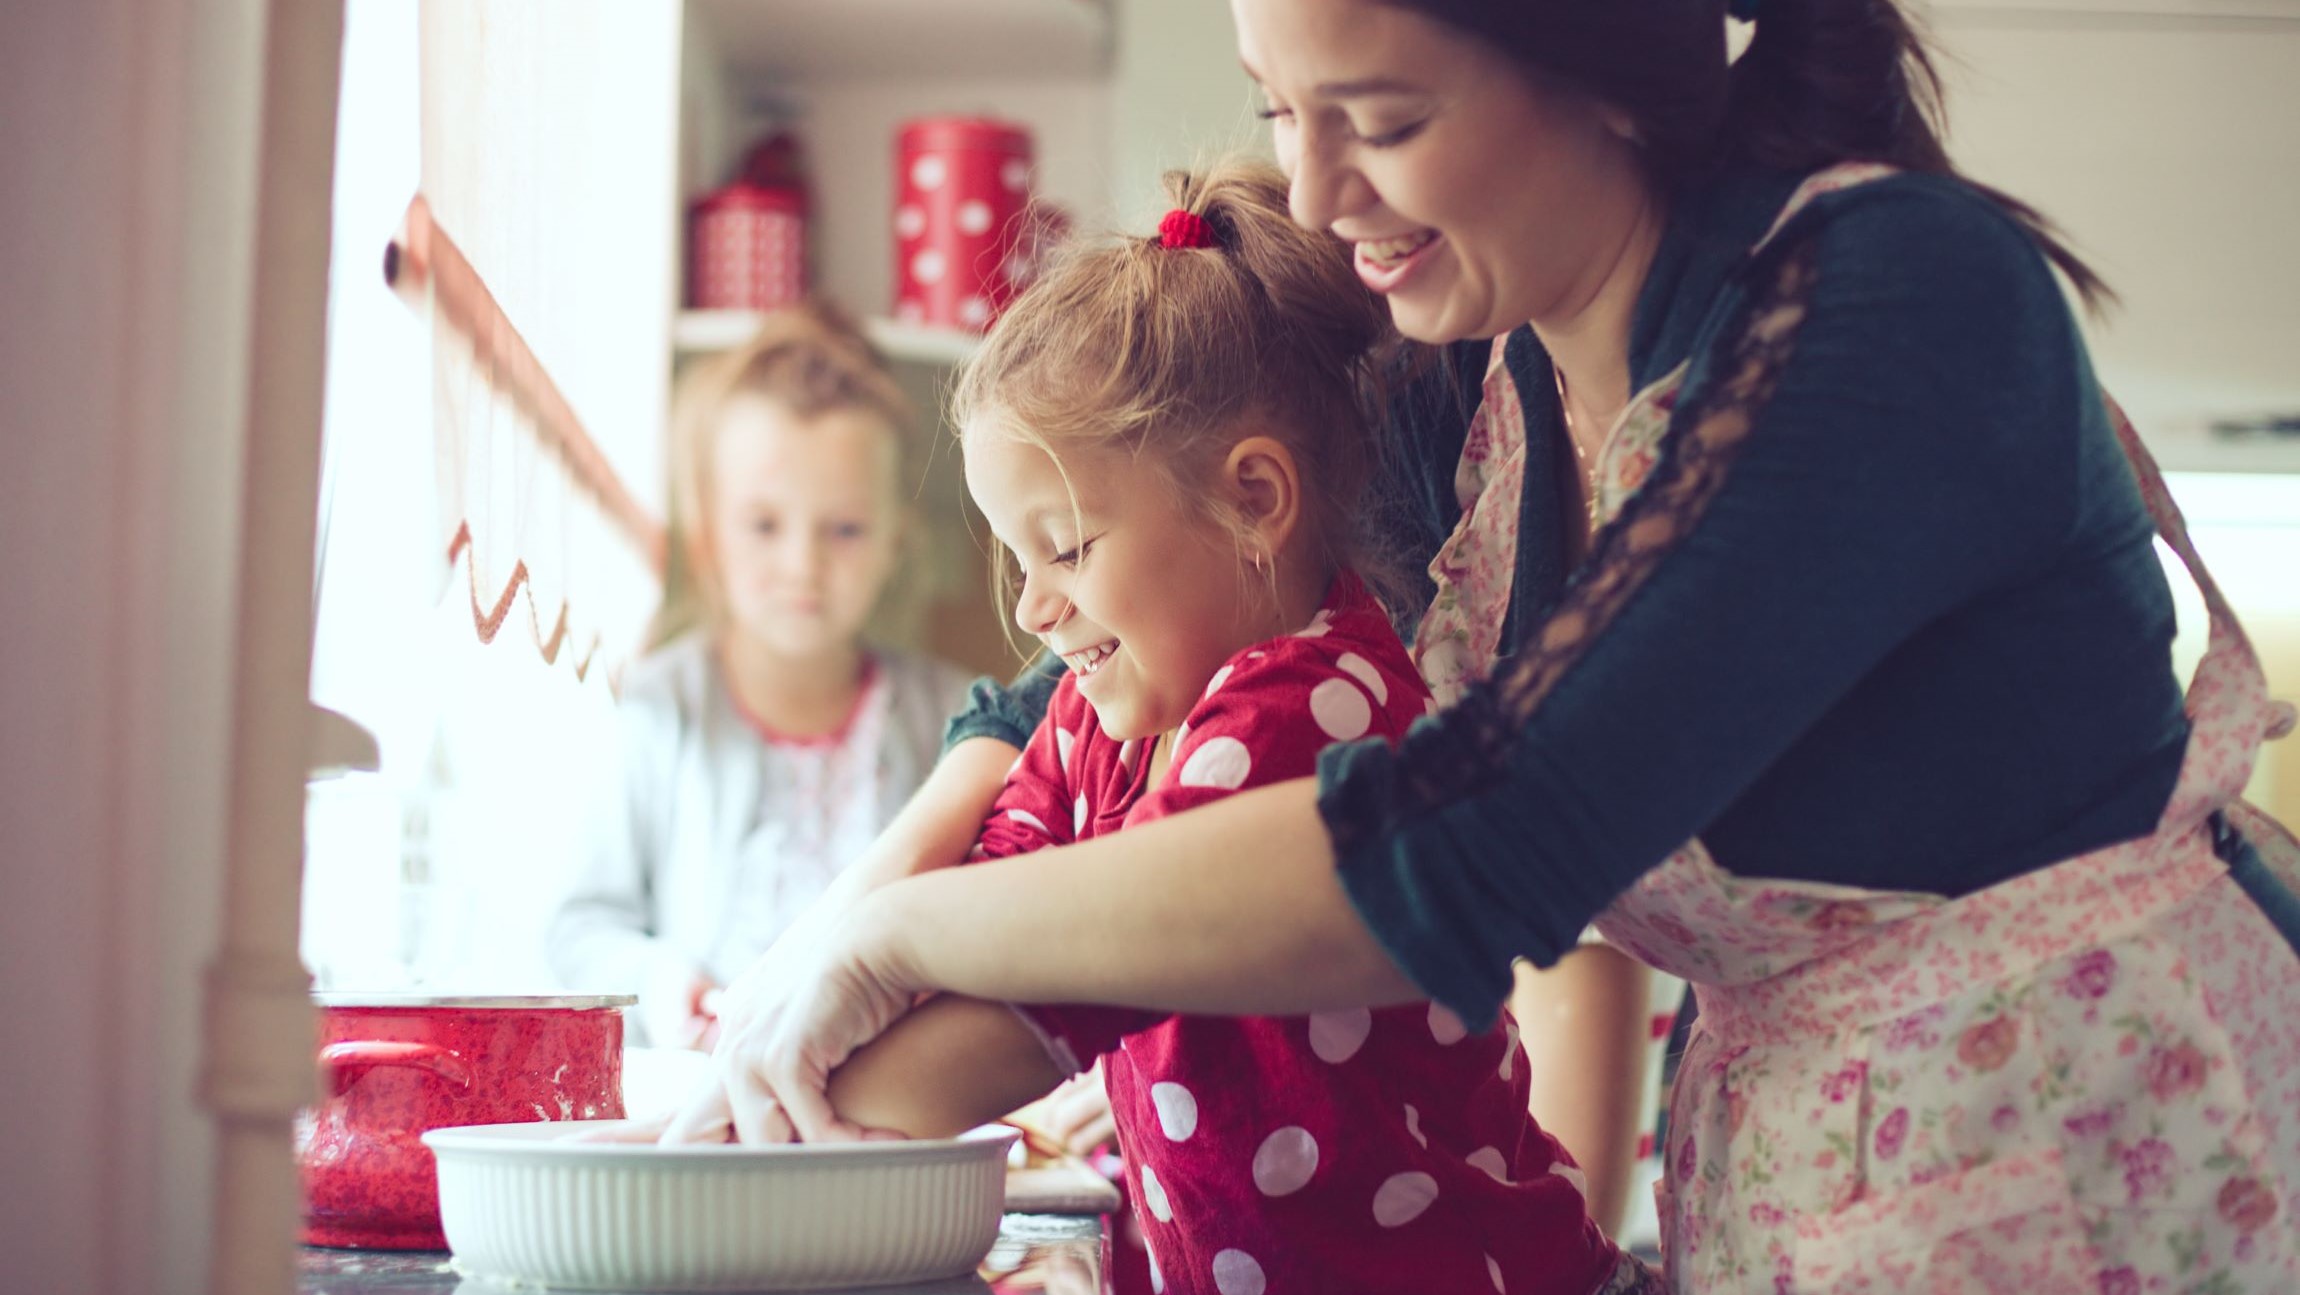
column 1061, row 1255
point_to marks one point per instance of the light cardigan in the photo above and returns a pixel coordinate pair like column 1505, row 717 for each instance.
column 708, row 837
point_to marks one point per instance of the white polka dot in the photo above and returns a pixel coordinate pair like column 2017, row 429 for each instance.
column 928, row 173
column 1318, row 626
column 1154, row 1196
column 1218, row 762
column 1027, row 819
column 1177, row 1110
column 1493, row 1270
column 1572, row 1175
column 1236, row 1273
column 909, row 221
column 1340, row 709
column 1402, row 1198
column 974, row 216
column 1337, row 1036
column 1284, row 1162
column 1181, row 739
column 1078, row 818
column 974, row 312
column 1509, row 1053
column 1414, row 1127
column 1446, row 1027
column 927, row 266
column 1157, row 1278
column 1221, row 676
column 1015, row 175
column 1129, row 751
column 1064, row 742
column 1489, row 1159
column 1363, row 671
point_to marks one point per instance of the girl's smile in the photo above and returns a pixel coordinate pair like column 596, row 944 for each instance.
column 1138, row 593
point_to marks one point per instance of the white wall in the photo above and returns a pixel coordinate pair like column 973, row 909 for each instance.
column 1177, row 98
column 128, row 139
column 2168, row 148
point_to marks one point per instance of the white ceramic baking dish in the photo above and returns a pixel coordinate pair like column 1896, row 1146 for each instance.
column 525, row 1203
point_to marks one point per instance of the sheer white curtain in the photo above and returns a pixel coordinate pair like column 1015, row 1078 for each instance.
column 548, row 136
column 542, row 138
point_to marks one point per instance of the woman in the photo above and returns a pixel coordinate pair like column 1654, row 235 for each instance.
column 1799, row 606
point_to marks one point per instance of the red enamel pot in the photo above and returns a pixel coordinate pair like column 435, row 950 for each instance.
column 394, row 1065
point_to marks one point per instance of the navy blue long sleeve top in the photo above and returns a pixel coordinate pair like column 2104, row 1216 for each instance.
column 1918, row 638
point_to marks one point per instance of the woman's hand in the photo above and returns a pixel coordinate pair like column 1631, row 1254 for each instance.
column 789, row 1021
column 934, row 830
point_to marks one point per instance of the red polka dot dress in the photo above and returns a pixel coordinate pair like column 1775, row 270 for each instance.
column 1340, row 1152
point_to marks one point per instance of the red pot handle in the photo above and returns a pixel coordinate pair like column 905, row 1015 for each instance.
column 343, row 1063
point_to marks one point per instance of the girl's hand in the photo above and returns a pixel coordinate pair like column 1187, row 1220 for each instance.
column 788, row 1022
column 1078, row 1114
column 671, row 1006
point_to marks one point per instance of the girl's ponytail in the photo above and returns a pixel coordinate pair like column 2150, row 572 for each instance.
column 1165, row 345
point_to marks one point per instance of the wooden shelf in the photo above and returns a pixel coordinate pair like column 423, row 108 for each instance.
column 697, row 332
column 815, row 39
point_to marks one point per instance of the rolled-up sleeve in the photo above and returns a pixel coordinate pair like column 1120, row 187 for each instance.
column 1009, row 712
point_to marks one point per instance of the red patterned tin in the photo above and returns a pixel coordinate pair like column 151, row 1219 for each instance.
column 747, row 248
column 961, row 186
column 392, row 1066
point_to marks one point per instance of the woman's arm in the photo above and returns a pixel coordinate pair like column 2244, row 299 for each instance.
column 948, row 1066
column 1230, row 908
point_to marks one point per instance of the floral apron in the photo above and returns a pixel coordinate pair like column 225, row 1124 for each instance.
column 2084, row 1079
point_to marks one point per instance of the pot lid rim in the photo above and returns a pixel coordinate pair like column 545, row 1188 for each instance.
column 558, row 1002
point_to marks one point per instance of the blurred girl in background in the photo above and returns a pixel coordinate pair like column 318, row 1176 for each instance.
column 763, row 742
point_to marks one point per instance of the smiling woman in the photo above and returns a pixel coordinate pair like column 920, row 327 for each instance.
column 1837, row 670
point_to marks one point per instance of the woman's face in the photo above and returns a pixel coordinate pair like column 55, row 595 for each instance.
column 1476, row 200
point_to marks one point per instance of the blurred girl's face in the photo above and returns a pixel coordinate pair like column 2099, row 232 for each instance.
column 1476, row 199
column 804, row 522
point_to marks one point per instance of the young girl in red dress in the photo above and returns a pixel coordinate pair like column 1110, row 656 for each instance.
column 1170, row 438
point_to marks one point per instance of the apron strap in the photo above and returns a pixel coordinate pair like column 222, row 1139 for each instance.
column 2229, row 660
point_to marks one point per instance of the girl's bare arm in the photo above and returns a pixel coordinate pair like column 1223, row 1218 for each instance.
column 942, row 1069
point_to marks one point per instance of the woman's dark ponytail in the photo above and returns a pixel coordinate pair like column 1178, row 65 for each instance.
column 1821, row 82
column 1825, row 81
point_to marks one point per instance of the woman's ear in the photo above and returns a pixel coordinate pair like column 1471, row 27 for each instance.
column 1264, row 485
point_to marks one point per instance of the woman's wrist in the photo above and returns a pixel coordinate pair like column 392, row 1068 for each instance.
column 881, row 928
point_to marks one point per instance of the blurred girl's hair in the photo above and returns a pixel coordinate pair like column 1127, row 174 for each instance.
column 1173, row 354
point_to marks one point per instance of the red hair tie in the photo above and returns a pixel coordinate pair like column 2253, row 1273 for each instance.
column 1185, row 229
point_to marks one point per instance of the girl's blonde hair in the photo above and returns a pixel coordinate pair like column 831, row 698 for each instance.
column 809, row 359
column 1171, row 353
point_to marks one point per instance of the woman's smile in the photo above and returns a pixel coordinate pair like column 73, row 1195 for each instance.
column 1384, row 264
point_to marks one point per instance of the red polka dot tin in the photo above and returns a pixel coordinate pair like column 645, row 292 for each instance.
column 962, row 246
column 395, row 1066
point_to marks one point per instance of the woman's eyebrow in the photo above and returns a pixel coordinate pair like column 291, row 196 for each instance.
column 1367, row 87
column 1361, row 88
